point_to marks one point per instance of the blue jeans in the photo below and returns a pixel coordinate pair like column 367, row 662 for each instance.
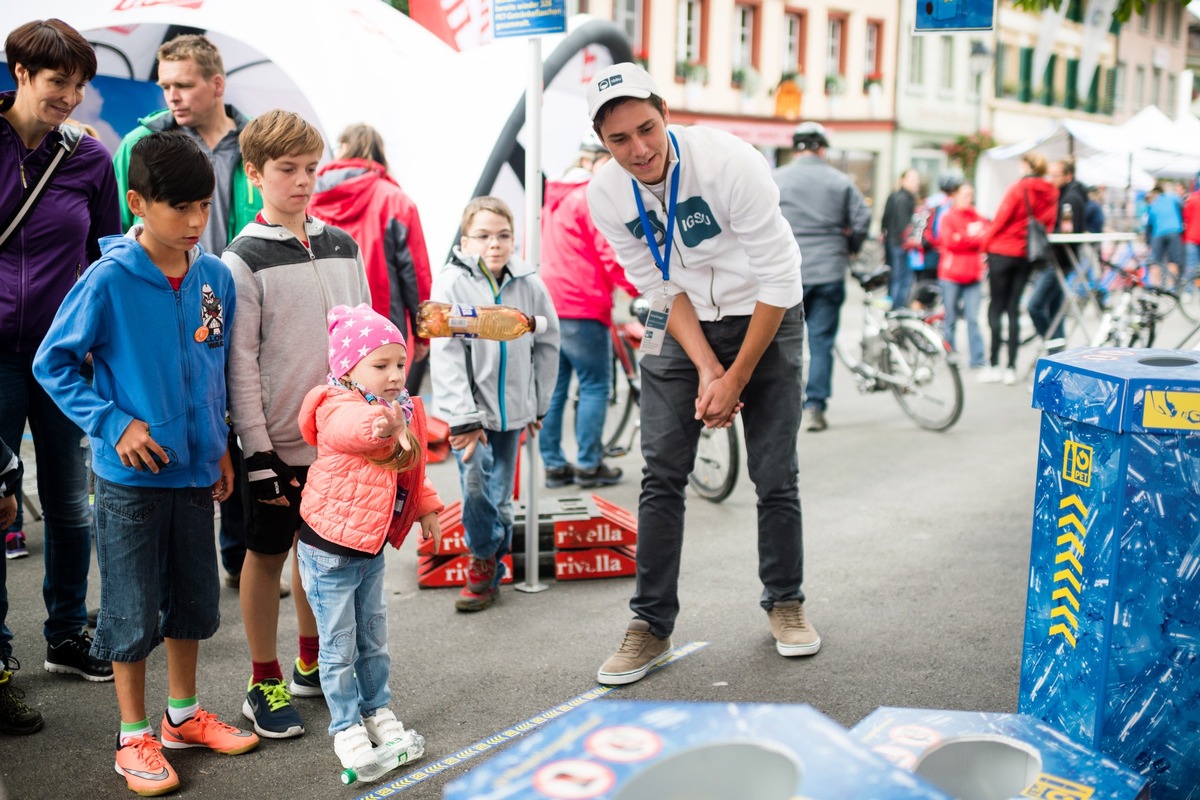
column 1166, row 249
column 487, row 490
column 346, row 595
column 1193, row 259
column 586, row 349
column 822, row 313
column 158, row 568
column 62, row 488
column 970, row 297
column 771, row 420
column 1045, row 302
column 901, row 280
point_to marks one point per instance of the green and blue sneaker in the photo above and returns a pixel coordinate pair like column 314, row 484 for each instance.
column 269, row 706
column 306, row 684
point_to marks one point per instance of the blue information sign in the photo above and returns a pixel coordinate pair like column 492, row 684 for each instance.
column 941, row 16
column 528, row 17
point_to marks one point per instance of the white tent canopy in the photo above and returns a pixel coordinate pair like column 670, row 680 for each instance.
column 1147, row 146
column 440, row 111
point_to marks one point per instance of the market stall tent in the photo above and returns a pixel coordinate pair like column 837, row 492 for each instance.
column 1129, row 156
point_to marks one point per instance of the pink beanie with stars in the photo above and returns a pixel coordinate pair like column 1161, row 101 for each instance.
column 355, row 332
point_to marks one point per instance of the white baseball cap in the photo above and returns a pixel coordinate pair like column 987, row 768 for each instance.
column 619, row 80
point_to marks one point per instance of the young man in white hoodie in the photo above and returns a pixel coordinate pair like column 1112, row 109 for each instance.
column 724, row 270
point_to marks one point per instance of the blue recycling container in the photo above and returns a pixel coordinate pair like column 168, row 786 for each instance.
column 1112, row 621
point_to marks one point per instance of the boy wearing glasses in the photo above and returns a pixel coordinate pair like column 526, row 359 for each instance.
column 489, row 391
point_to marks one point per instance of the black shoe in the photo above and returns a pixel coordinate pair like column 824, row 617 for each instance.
column 71, row 657
column 558, row 477
column 816, row 420
column 602, row 475
column 93, row 616
column 16, row 718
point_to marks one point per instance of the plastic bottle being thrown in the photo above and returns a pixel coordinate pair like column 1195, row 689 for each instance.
column 501, row 323
column 386, row 757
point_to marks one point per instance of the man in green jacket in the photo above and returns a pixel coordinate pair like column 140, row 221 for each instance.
column 192, row 78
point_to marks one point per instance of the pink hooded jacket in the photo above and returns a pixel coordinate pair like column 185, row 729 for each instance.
column 578, row 267
column 348, row 500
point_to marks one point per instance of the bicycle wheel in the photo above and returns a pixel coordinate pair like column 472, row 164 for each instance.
column 929, row 388
column 1189, row 299
column 623, row 397
column 717, row 463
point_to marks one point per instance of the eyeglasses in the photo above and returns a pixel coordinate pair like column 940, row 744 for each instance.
column 482, row 238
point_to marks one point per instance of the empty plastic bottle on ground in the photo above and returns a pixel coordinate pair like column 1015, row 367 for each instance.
column 386, row 757
column 475, row 322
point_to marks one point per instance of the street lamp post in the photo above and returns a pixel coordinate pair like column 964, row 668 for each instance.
column 979, row 61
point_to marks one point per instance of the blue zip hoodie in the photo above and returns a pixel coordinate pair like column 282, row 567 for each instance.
column 159, row 356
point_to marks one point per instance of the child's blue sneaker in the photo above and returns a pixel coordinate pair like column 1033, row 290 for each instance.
column 306, row 684
column 269, row 706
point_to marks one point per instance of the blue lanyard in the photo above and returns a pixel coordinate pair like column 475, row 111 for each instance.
column 663, row 259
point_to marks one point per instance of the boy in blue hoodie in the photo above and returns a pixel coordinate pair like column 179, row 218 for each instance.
column 154, row 315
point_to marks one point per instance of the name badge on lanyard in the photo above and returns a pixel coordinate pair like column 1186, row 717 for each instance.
column 660, row 306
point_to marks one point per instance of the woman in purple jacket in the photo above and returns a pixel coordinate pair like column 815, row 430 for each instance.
column 51, row 63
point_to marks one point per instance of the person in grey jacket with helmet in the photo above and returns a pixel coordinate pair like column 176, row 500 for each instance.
column 829, row 220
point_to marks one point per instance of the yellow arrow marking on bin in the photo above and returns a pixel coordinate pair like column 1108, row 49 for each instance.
column 1065, row 594
column 1063, row 574
column 1071, row 538
column 1069, row 555
column 1071, row 519
column 1070, row 544
column 1073, row 500
column 1065, row 631
column 1061, row 611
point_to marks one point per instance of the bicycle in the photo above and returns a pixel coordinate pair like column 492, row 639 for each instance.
column 714, row 475
column 1131, row 318
column 899, row 351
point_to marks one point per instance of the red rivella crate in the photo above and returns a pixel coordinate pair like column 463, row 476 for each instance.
column 610, row 526
column 441, row 571
column 597, row 562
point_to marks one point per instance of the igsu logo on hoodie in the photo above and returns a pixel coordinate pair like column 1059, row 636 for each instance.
column 660, row 231
column 693, row 219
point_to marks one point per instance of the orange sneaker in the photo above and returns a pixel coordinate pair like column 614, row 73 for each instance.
column 145, row 770
column 203, row 729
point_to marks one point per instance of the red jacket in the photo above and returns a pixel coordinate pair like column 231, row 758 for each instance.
column 578, row 265
column 960, row 240
column 1191, row 218
column 348, row 500
column 1006, row 235
column 361, row 198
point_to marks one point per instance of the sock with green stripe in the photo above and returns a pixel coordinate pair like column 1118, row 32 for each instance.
column 132, row 730
column 180, row 711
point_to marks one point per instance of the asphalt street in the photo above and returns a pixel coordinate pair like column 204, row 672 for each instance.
column 917, row 548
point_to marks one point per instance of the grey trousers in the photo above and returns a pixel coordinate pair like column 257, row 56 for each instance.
column 771, row 421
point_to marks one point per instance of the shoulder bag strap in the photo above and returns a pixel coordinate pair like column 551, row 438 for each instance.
column 70, row 136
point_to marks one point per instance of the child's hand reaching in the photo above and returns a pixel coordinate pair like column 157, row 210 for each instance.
column 431, row 528
column 391, row 422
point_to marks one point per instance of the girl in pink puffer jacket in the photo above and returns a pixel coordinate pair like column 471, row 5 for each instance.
column 366, row 490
